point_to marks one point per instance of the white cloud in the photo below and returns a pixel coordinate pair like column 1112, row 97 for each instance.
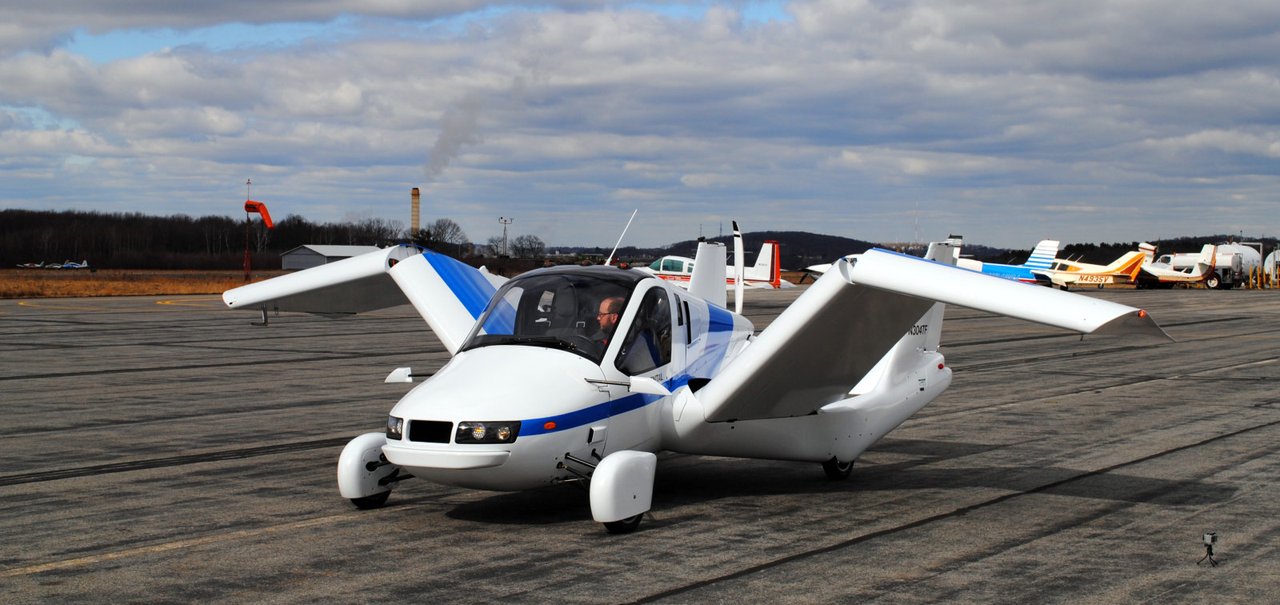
column 570, row 113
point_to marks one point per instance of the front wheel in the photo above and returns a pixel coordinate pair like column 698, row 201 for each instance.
column 836, row 469
column 1213, row 282
column 371, row 502
column 623, row 526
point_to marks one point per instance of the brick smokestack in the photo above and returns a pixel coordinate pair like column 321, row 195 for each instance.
column 414, row 208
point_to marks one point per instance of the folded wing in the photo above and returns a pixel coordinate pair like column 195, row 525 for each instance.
column 448, row 294
column 833, row 334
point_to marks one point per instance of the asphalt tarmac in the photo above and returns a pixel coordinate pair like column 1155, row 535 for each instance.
column 164, row 450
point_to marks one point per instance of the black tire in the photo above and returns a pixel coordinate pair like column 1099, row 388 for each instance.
column 837, row 470
column 1213, row 282
column 371, row 502
column 624, row 526
column 1063, row 287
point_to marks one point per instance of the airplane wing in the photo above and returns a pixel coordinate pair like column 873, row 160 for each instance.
column 831, row 336
column 351, row 285
column 448, row 294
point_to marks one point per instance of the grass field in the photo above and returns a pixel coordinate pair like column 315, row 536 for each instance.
column 64, row 283
column 43, row 283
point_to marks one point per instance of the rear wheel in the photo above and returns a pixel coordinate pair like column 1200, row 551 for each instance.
column 623, row 526
column 836, row 469
column 1213, row 282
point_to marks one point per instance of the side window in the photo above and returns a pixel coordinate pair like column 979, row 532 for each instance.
column 648, row 342
column 672, row 265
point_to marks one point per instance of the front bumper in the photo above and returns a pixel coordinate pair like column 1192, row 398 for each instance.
column 443, row 459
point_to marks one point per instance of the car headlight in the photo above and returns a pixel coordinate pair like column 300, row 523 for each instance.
column 487, row 432
column 395, row 428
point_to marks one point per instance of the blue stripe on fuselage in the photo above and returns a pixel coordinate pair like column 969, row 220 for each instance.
column 577, row 418
column 721, row 320
column 1009, row 272
column 714, row 343
column 608, row 409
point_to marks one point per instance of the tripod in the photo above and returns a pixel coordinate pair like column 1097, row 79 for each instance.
column 1208, row 554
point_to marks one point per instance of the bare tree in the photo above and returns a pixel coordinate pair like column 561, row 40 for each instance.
column 446, row 233
column 527, row 246
column 495, row 245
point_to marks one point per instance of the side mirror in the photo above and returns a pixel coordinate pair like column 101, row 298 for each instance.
column 648, row 386
column 399, row 375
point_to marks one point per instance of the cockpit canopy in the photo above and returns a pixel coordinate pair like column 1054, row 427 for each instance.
column 556, row 308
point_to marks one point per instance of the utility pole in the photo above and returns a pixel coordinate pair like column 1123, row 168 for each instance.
column 505, row 221
column 247, row 184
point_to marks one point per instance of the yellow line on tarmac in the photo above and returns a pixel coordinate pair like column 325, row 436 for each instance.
column 177, row 545
column 192, row 302
column 57, row 307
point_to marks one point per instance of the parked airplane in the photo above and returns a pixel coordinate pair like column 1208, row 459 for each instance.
column 1041, row 259
column 1031, row 272
column 581, row 374
column 31, row 266
column 84, row 264
column 765, row 273
column 1066, row 273
column 1164, row 273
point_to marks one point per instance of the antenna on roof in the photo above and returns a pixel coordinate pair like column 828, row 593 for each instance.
column 609, row 261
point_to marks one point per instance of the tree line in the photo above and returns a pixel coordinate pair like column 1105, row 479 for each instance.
column 138, row 241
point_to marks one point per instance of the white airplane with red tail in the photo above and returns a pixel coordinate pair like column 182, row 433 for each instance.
column 765, row 273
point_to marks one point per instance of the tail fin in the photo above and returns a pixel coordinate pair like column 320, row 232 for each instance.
column 707, row 281
column 767, row 267
column 1148, row 252
column 738, row 274
column 1129, row 264
column 927, row 333
column 1208, row 258
column 1043, row 255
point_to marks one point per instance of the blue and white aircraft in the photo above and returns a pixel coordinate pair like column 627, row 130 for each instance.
column 1035, row 270
column 582, row 374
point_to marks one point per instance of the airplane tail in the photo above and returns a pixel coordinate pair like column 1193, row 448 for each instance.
column 1043, row 254
column 1148, row 252
column 1207, row 260
column 927, row 333
column 1129, row 264
column 709, row 267
column 767, row 267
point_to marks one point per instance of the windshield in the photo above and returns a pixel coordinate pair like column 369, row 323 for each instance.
column 574, row 309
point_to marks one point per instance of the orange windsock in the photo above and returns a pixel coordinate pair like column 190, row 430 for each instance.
column 260, row 208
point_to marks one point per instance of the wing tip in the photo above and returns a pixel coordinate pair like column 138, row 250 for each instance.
column 1134, row 323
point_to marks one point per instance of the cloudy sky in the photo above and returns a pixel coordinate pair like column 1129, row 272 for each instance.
column 1004, row 121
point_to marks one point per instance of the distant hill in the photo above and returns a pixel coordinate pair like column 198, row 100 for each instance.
column 798, row 249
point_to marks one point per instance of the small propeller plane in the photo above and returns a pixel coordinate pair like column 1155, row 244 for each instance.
column 582, row 374
column 766, row 273
column 1028, row 272
column 1165, row 273
column 1066, row 273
